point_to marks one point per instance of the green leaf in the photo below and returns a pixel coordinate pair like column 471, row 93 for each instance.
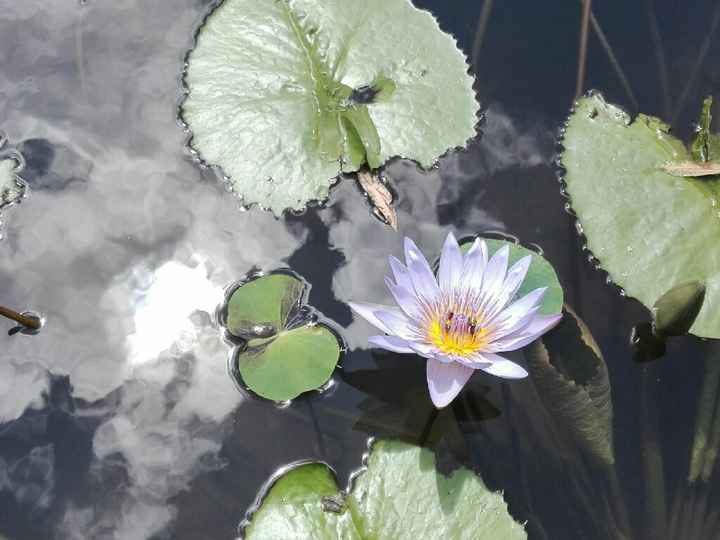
column 571, row 377
column 284, row 94
column 651, row 231
column 11, row 187
column 700, row 149
column 540, row 274
column 266, row 302
column 399, row 497
column 284, row 353
column 293, row 362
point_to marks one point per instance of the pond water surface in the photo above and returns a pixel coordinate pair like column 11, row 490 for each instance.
column 119, row 420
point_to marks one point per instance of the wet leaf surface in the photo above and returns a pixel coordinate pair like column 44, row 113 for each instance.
column 283, row 95
column 399, row 496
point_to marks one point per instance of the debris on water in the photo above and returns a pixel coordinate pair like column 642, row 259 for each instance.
column 379, row 196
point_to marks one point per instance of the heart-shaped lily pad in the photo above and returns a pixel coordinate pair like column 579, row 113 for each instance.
column 540, row 274
column 400, row 496
column 651, row 231
column 284, row 350
column 284, row 95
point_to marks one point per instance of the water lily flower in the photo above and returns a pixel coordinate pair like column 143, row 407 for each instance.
column 462, row 320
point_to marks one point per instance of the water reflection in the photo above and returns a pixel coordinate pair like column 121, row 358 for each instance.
column 163, row 308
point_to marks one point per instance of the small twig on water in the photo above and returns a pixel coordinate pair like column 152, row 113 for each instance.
column 582, row 55
column 379, row 196
column 28, row 321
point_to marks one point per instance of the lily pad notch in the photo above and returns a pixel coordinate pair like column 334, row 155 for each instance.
column 282, row 97
column 304, row 501
column 283, row 347
column 648, row 211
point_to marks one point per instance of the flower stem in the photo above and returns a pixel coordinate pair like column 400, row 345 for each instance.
column 32, row 323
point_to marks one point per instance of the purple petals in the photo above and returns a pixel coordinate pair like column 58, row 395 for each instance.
column 474, row 266
column 537, row 327
column 391, row 343
column 396, row 323
column 401, row 274
column 445, row 381
column 451, row 265
column 421, row 274
column 503, row 368
column 513, row 280
column 367, row 312
column 405, row 299
column 495, row 271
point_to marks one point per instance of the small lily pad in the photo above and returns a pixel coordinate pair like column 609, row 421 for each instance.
column 650, row 230
column 284, row 351
column 540, row 274
column 400, row 496
column 285, row 95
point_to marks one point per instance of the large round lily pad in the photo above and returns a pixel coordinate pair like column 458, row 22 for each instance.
column 650, row 230
column 284, row 94
column 540, row 274
column 284, row 352
column 400, row 496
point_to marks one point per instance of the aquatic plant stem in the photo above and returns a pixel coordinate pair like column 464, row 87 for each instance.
column 33, row 323
column 700, row 60
column 602, row 38
column 707, row 409
column 480, row 33
column 653, row 472
column 659, row 56
column 582, row 50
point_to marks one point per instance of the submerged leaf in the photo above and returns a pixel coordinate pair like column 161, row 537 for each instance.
column 540, row 274
column 284, row 351
column 283, row 95
column 572, row 380
column 650, row 230
column 400, row 496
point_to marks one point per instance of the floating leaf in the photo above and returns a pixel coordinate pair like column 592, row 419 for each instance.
column 400, row 496
column 285, row 352
column 265, row 303
column 293, row 362
column 282, row 95
column 540, row 274
column 571, row 377
column 650, row 230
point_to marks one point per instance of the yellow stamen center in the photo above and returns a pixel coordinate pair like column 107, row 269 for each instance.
column 457, row 335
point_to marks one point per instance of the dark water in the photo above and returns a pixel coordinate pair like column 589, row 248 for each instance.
column 120, row 421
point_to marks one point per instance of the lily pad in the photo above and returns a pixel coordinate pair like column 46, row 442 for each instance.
column 284, row 95
column 399, row 496
column 650, row 230
column 540, row 274
column 572, row 380
column 284, row 351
